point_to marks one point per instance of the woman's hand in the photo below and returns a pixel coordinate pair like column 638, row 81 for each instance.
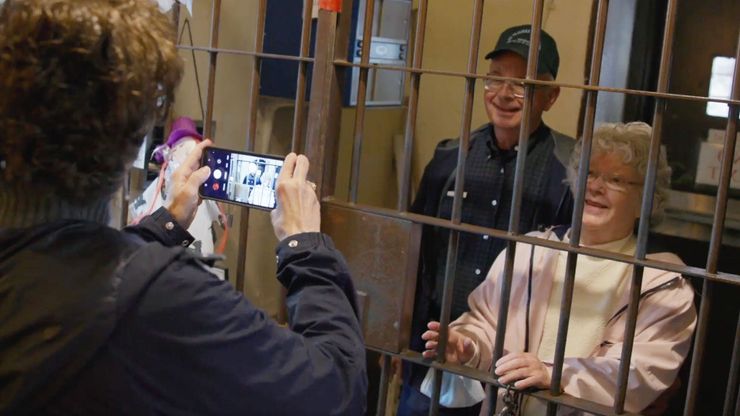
column 182, row 199
column 298, row 210
column 524, row 369
column 460, row 349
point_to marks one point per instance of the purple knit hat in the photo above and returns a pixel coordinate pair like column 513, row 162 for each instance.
column 182, row 127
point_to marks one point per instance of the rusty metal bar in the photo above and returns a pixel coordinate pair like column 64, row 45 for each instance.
column 413, row 105
column 516, row 200
column 575, row 232
column 451, row 266
column 367, row 36
column 385, row 375
column 420, row 71
column 254, row 88
column 176, row 15
column 564, row 399
column 647, row 207
column 444, row 319
column 239, row 52
column 332, row 39
column 686, row 97
column 728, row 156
column 241, row 253
column 734, row 370
column 213, row 59
column 715, row 240
column 720, row 277
column 299, row 123
column 700, row 335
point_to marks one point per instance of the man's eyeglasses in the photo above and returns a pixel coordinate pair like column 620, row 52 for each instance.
column 495, row 86
column 613, row 182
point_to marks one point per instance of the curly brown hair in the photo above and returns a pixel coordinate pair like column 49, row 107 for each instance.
column 81, row 84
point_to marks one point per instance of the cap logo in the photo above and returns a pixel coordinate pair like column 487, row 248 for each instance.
column 517, row 37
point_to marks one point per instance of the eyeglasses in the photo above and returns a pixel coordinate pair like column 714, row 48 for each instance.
column 495, row 86
column 613, row 182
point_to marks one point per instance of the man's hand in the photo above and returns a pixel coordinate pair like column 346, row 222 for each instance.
column 183, row 200
column 460, row 349
column 523, row 368
column 297, row 208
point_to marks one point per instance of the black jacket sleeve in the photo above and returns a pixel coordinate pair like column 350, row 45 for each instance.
column 161, row 227
column 216, row 353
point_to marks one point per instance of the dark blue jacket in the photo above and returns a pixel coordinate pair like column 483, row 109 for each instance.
column 554, row 206
column 98, row 321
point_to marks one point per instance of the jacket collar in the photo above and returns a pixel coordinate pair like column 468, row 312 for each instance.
column 21, row 207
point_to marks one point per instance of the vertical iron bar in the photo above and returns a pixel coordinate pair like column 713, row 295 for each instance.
column 367, row 35
column 575, row 232
column 413, row 106
column 728, row 155
column 715, row 240
column 516, row 200
column 324, row 116
column 451, row 267
column 444, row 320
column 124, row 198
column 176, row 15
column 213, row 56
column 385, row 375
column 254, row 87
column 241, row 253
column 299, row 122
column 646, row 208
column 319, row 101
column 734, row 369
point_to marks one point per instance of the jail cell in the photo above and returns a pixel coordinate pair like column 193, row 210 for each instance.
column 370, row 219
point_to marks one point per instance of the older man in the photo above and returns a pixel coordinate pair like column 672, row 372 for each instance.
column 489, row 181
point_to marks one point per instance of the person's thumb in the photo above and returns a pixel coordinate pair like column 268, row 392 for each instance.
column 199, row 176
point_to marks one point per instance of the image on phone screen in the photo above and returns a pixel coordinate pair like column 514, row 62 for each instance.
column 241, row 177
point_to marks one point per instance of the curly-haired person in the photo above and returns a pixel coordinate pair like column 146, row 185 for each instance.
column 95, row 320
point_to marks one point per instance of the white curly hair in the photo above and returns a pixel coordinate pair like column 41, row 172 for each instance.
column 632, row 142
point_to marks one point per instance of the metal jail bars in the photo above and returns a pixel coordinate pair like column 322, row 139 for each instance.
column 318, row 139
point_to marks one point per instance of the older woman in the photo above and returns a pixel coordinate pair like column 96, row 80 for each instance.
column 666, row 316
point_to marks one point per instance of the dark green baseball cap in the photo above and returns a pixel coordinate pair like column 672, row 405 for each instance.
column 516, row 39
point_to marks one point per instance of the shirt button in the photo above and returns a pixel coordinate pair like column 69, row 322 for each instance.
column 502, row 170
column 477, row 271
column 185, row 243
column 293, row 244
column 494, row 202
column 485, row 237
column 169, row 226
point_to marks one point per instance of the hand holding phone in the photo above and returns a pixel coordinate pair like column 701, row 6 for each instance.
column 298, row 208
column 182, row 199
column 242, row 178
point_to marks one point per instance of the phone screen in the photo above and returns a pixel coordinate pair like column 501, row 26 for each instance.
column 241, row 177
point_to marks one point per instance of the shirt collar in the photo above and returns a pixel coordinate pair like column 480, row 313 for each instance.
column 539, row 135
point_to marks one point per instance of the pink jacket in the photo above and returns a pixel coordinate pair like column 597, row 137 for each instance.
column 665, row 325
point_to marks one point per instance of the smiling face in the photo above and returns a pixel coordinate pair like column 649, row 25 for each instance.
column 503, row 109
column 609, row 214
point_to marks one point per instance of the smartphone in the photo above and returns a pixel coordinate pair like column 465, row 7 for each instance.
column 242, row 178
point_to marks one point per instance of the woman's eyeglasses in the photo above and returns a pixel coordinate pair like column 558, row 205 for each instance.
column 613, row 182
